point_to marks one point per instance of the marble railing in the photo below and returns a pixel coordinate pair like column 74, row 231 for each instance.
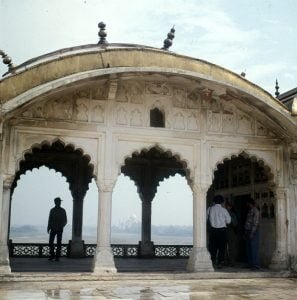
column 119, row 250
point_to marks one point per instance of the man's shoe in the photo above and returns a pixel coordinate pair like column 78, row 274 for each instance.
column 51, row 258
column 57, row 259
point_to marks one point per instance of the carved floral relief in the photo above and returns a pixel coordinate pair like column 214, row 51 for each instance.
column 136, row 118
column 194, row 122
column 81, row 110
column 158, row 88
column 130, row 92
column 228, row 122
column 214, row 121
column 261, row 130
column 121, row 116
column 194, row 98
column 97, row 113
column 179, row 97
column 245, row 125
column 100, row 93
column 179, row 121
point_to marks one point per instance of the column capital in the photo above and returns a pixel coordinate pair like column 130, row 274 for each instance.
column 281, row 193
column 293, row 149
column 7, row 181
column 200, row 188
column 106, row 185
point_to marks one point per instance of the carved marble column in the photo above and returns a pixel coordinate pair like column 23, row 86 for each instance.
column 104, row 260
column 146, row 246
column 199, row 260
column 293, row 210
column 279, row 259
column 4, row 219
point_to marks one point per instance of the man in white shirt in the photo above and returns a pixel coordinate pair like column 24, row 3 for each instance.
column 218, row 217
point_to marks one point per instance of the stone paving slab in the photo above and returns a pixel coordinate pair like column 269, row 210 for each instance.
column 42, row 270
column 215, row 289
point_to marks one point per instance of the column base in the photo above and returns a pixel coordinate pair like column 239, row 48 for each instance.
column 146, row 249
column 293, row 262
column 4, row 260
column 77, row 249
column 104, row 261
column 279, row 260
column 200, row 261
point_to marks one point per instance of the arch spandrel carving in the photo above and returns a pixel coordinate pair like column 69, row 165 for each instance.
column 136, row 118
column 180, row 97
column 226, row 113
column 130, row 91
column 158, row 89
column 80, row 105
column 193, row 121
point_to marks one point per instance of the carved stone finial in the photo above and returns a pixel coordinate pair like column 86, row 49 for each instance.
column 276, row 89
column 102, row 33
column 168, row 41
column 7, row 60
column 294, row 106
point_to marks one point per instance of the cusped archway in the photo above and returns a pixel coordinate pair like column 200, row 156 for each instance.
column 75, row 166
column 239, row 178
column 147, row 169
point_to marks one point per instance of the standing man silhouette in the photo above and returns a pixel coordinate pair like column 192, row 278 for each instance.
column 219, row 217
column 56, row 222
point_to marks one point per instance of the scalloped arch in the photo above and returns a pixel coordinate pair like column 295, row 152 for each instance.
column 49, row 143
column 254, row 158
column 38, row 168
column 50, row 154
column 177, row 156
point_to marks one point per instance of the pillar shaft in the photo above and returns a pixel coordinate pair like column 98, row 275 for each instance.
column 4, row 219
column 199, row 260
column 104, row 260
column 146, row 220
column 280, row 258
column 146, row 246
column 77, row 248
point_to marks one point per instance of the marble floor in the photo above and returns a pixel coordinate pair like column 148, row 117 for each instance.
column 215, row 289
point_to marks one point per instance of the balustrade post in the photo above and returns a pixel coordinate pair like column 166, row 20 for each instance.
column 199, row 260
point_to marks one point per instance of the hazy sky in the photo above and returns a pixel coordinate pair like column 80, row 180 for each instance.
column 258, row 37
column 255, row 36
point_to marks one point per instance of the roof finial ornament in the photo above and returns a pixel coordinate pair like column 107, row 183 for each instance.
column 6, row 60
column 276, row 89
column 168, row 41
column 102, row 33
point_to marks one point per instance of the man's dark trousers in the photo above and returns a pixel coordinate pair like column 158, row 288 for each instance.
column 52, row 235
column 218, row 240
